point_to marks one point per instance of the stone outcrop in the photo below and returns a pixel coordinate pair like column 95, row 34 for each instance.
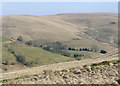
column 103, row 74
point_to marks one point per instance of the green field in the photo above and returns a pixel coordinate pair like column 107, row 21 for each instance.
column 18, row 53
column 4, row 39
column 84, row 54
column 7, row 57
column 33, row 56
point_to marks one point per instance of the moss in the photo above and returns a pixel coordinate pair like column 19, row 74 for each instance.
column 64, row 70
column 72, row 69
column 115, row 62
column 105, row 63
column 101, row 63
column 56, row 72
column 85, row 66
column 7, row 80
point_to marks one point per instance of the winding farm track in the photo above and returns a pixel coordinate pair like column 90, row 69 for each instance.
column 60, row 66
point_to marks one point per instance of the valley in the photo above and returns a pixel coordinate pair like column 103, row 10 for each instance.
column 32, row 44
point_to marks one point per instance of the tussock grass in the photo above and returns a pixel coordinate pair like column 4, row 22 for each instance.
column 105, row 63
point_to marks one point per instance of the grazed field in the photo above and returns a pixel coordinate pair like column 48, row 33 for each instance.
column 33, row 56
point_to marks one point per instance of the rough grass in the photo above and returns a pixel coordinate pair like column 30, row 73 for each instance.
column 85, row 54
column 7, row 56
column 87, row 43
column 65, row 27
column 17, row 78
column 105, row 63
column 101, row 63
column 36, row 56
column 4, row 39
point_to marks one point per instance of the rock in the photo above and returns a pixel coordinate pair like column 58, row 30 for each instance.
column 88, row 68
column 105, row 74
column 35, row 78
column 77, row 72
column 118, row 81
column 64, row 77
column 111, row 64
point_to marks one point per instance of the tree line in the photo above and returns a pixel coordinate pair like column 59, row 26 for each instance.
column 81, row 49
column 58, row 47
column 88, row 49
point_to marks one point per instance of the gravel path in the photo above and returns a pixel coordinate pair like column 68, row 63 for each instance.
column 60, row 66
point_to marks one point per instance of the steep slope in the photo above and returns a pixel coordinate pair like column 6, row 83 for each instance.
column 37, row 27
column 102, row 27
column 88, row 28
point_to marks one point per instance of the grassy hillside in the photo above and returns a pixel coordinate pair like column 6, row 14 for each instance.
column 7, row 57
column 4, row 39
column 33, row 56
column 37, row 27
column 76, row 30
column 88, row 43
column 84, row 54
column 98, row 28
